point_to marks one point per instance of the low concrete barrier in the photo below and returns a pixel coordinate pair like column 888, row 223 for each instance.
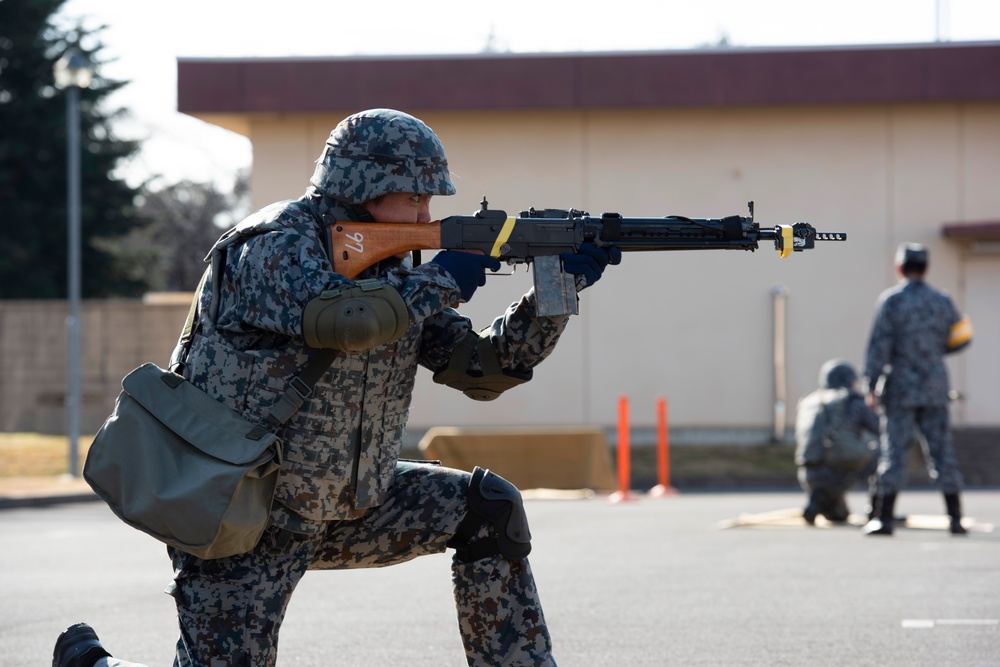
column 530, row 458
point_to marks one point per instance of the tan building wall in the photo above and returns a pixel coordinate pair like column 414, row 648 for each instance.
column 698, row 327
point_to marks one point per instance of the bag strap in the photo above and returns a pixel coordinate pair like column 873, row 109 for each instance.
column 187, row 333
column 825, row 411
column 299, row 388
column 179, row 359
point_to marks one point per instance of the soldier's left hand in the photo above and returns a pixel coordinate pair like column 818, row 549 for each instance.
column 589, row 263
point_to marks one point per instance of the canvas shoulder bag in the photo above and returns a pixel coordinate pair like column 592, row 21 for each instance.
column 183, row 467
column 845, row 447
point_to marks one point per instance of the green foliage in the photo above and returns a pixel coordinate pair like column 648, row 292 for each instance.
column 33, row 166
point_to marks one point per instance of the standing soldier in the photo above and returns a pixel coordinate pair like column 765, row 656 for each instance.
column 915, row 326
column 344, row 499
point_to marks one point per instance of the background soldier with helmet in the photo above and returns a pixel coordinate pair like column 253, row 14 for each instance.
column 915, row 326
column 835, row 436
column 344, row 499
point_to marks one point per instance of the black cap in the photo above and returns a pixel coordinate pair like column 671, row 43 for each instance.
column 912, row 253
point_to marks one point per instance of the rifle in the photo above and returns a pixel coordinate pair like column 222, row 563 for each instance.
column 540, row 236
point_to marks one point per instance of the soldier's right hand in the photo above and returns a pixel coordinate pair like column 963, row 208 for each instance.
column 467, row 268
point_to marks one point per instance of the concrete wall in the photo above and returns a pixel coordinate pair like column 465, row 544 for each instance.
column 117, row 336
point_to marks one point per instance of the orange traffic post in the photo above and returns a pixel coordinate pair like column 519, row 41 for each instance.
column 624, row 454
column 662, row 452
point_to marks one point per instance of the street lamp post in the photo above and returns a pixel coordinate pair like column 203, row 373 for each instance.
column 72, row 73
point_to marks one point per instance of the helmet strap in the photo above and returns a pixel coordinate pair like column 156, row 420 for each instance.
column 361, row 212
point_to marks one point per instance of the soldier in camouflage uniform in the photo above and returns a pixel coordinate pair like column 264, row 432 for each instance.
column 835, row 405
column 905, row 357
column 344, row 499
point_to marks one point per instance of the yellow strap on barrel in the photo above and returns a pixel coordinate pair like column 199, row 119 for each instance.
column 786, row 241
column 505, row 231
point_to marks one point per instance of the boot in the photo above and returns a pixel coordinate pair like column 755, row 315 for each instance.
column 837, row 511
column 873, row 505
column 812, row 509
column 78, row 646
column 883, row 524
column 954, row 506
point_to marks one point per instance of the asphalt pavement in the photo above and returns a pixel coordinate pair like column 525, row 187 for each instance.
column 688, row 579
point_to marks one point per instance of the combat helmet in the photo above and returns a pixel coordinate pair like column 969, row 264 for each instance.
column 837, row 374
column 375, row 152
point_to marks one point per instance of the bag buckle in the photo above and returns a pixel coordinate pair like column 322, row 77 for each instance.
column 305, row 391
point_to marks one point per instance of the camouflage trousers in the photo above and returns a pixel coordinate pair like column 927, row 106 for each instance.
column 230, row 609
column 830, row 485
column 901, row 427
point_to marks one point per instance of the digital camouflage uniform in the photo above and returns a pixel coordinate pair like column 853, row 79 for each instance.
column 835, row 404
column 344, row 500
column 907, row 346
column 911, row 334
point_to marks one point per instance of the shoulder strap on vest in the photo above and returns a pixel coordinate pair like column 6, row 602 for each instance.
column 301, row 387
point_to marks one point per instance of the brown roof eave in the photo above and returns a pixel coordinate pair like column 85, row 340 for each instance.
column 940, row 72
column 972, row 231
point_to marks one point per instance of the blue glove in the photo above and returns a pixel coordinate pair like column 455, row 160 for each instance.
column 589, row 263
column 467, row 268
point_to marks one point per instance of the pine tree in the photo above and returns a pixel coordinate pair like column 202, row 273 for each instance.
column 33, row 165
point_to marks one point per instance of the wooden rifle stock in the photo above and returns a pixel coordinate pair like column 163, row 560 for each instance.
column 354, row 246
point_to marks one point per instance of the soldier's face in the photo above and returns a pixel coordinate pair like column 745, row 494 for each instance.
column 400, row 207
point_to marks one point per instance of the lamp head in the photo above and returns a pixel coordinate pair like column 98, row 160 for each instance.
column 73, row 69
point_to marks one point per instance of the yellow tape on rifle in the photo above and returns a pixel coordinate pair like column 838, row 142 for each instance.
column 786, row 240
column 505, row 233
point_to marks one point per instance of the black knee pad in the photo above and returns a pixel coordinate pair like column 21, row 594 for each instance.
column 496, row 502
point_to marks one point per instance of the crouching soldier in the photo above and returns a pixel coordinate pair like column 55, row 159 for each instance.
column 344, row 499
column 836, row 437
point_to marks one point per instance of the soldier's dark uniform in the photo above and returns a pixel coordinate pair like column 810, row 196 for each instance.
column 827, row 484
column 344, row 499
column 906, row 349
